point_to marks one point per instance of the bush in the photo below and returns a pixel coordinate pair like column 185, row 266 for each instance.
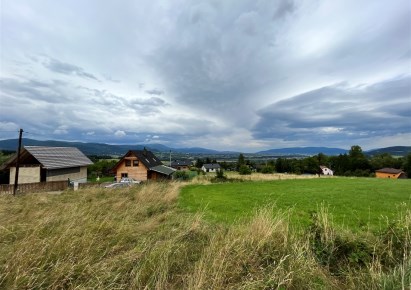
column 267, row 169
column 181, row 175
column 244, row 170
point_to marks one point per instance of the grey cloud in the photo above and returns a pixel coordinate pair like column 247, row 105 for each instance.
column 67, row 69
column 33, row 90
column 155, row 92
column 219, row 54
column 338, row 112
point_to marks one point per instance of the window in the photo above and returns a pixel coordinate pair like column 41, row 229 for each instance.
column 135, row 162
column 124, row 175
column 128, row 163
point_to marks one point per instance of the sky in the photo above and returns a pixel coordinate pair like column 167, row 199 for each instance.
column 227, row 75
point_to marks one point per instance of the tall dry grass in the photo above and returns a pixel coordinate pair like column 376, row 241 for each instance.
column 137, row 238
column 255, row 176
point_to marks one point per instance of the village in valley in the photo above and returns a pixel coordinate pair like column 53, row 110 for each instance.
column 65, row 167
column 205, row 145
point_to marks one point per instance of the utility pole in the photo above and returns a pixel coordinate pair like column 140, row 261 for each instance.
column 16, row 176
column 170, row 159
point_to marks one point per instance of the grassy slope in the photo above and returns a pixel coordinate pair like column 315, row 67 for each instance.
column 353, row 202
column 137, row 238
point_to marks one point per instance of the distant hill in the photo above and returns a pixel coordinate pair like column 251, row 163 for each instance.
column 305, row 151
column 394, row 151
column 100, row 148
column 118, row 150
column 86, row 148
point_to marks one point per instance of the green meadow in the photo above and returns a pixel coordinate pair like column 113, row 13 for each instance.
column 355, row 203
column 318, row 233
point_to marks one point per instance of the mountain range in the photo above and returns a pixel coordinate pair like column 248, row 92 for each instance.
column 118, row 150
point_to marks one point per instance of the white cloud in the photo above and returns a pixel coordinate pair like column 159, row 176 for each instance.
column 120, row 133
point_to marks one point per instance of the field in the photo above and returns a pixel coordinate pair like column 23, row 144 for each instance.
column 239, row 235
column 354, row 203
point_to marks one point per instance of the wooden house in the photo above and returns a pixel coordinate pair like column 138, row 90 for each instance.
column 389, row 173
column 142, row 165
column 181, row 164
column 43, row 164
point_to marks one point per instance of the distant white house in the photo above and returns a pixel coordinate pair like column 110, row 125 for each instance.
column 211, row 167
column 326, row 170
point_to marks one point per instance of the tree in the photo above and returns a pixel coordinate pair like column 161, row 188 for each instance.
column 240, row 161
column 244, row 170
column 358, row 161
column 267, row 169
column 385, row 160
column 199, row 163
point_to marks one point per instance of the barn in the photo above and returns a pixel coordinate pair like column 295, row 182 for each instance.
column 44, row 164
column 389, row 173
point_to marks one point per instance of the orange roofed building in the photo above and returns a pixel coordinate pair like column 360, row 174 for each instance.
column 142, row 165
column 389, row 173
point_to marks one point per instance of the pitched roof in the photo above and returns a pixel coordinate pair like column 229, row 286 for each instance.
column 147, row 157
column 389, row 170
column 163, row 169
column 211, row 166
column 54, row 157
column 180, row 163
column 58, row 157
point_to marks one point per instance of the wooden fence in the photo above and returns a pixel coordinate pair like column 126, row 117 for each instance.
column 34, row 187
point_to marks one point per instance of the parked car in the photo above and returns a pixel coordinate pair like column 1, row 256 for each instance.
column 117, row 185
column 129, row 180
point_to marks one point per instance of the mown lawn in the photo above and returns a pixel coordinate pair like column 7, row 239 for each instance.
column 356, row 203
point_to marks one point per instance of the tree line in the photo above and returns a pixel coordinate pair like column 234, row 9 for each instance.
column 353, row 163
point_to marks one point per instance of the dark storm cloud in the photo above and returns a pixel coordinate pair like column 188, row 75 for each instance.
column 339, row 111
column 67, row 69
column 221, row 52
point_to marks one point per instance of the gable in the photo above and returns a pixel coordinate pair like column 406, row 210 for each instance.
column 144, row 157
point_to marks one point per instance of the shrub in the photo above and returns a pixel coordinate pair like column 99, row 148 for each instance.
column 244, row 170
column 181, row 175
column 267, row 169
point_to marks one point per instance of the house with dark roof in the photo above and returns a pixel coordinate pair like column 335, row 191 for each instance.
column 326, row 171
column 211, row 167
column 43, row 164
column 142, row 165
column 181, row 164
column 390, row 173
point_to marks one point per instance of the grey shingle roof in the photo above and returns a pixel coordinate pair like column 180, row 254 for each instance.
column 58, row 157
column 180, row 163
column 390, row 170
column 163, row 169
column 212, row 166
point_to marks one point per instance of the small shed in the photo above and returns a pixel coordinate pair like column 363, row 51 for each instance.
column 389, row 173
column 43, row 164
column 211, row 167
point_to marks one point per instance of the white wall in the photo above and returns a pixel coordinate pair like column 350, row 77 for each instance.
column 26, row 174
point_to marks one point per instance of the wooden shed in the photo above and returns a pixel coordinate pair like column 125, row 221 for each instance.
column 389, row 173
